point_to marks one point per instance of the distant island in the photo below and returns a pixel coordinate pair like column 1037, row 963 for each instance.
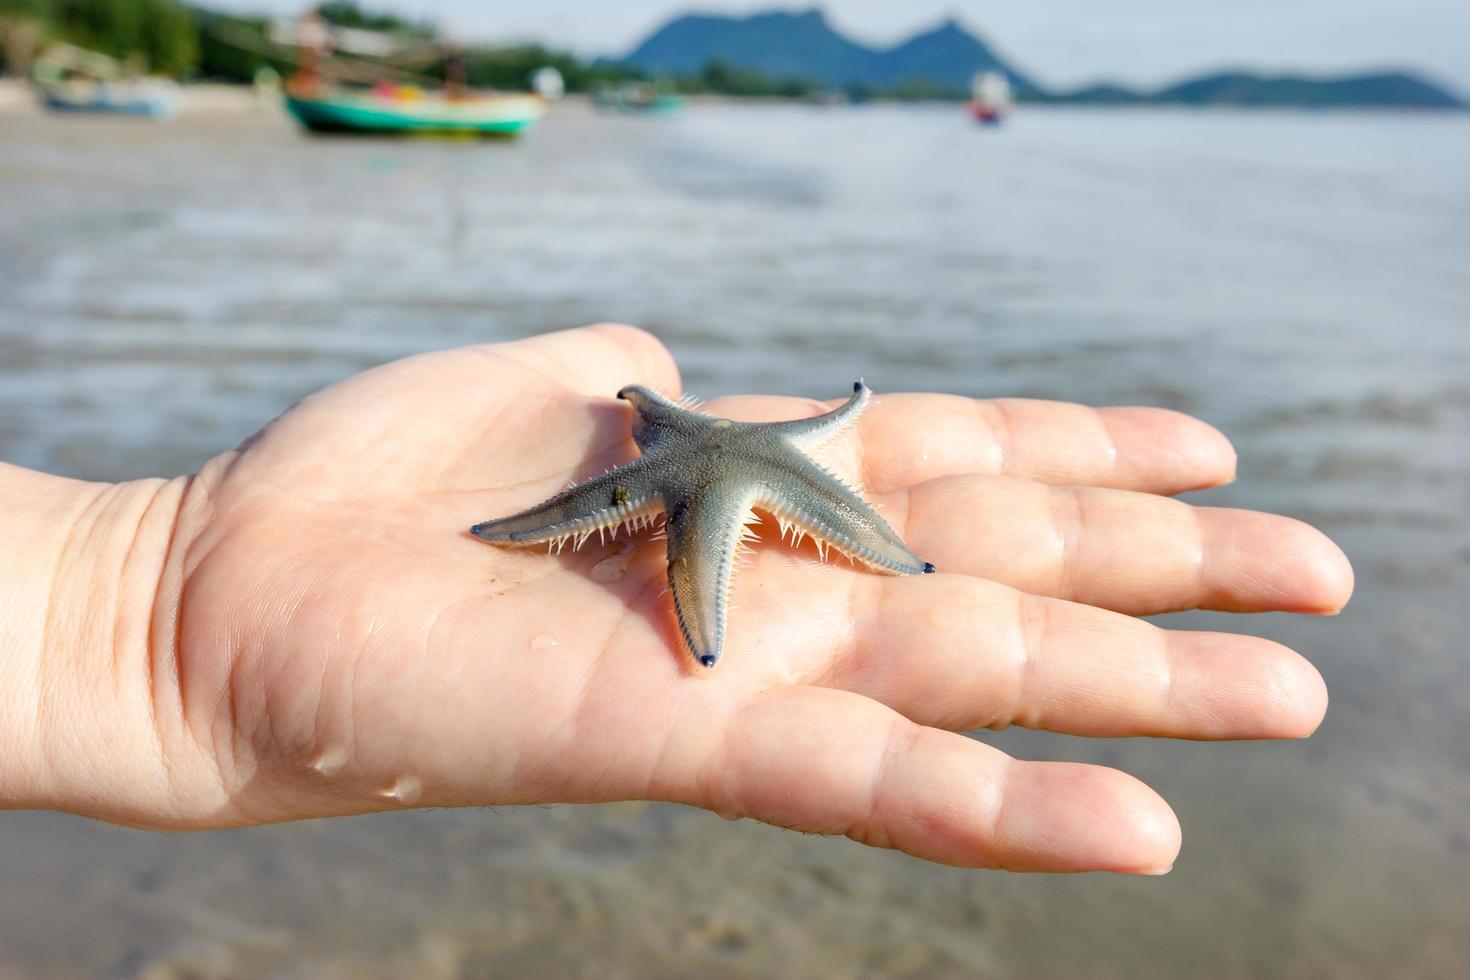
column 1375, row 90
column 772, row 54
column 803, row 50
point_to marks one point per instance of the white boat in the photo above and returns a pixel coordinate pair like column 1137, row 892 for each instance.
column 73, row 79
column 990, row 97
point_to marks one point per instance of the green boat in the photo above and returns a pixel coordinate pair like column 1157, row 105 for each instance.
column 637, row 97
column 396, row 110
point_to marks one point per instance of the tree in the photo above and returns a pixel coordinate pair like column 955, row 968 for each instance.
column 169, row 39
column 159, row 32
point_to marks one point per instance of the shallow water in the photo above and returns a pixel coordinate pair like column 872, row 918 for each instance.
column 1299, row 280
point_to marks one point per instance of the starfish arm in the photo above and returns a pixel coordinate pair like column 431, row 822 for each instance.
column 813, row 433
column 810, row 501
column 705, row 532
column 626, row 495
column 657, row 417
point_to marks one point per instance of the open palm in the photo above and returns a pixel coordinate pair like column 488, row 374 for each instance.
column 344, row 645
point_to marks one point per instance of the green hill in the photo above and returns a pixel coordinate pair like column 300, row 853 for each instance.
column 805, row 47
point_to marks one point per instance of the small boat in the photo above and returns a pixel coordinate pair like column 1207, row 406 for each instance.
column 398, row 109
column 327, row 52
column 73, row 79
column 153, row 98
column 637, row 97
column 827, row 97
column 990, row 97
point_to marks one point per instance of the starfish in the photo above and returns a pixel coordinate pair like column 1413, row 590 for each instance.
column 707, row 475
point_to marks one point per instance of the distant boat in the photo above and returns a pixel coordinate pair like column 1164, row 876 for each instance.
column 73, row 79
column 155, row 99
column 636, row 97
column 990, row 97
column 827, row 97
column 328, row 56
column 396, row 109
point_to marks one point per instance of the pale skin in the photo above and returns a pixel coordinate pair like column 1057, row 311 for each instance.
column 305, row 629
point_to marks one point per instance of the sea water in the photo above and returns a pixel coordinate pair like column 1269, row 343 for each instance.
column 1300, row 280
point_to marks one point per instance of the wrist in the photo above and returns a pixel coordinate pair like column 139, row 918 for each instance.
column 39, row 512
column 80, row 586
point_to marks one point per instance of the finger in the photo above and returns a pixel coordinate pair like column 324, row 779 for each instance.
column 1132, row 552
column 549, row 403
column 596, row 360
column 961, row 653
column 830, row 762
column 909, row 438
column 449, row 420
column 542, row 385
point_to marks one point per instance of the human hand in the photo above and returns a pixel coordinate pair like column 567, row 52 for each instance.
column 319, row 635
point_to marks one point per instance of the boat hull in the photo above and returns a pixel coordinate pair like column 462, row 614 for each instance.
column 986, row 115
column 618, row 100
column 490, row 117
column 150, row 103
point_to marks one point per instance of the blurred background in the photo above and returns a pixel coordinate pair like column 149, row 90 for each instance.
column 1259, row 214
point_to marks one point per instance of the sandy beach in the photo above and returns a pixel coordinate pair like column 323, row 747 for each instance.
column 1296, row 279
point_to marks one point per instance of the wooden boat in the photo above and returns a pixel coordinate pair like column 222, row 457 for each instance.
column 156, row 101
column 637, row 97
column 73, row 79
column 399, row 109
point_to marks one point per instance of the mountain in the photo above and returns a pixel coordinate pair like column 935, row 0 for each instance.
column 1103, row 93
column 804, row 46
column 1358, row 91
column 776, row 44
column 948, row 57
column 1241, row 88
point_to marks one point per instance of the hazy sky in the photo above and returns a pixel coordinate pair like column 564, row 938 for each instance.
column 1061, row 42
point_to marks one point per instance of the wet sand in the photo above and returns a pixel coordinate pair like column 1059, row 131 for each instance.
column 1297, row 280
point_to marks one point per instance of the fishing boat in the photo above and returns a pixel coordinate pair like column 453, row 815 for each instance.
column 990, row 97
column 636, row 97
column 404, row 109
column 72, row 79
column 355, row 81
column 156, row 100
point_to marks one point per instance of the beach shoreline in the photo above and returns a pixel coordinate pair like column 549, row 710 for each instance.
column 1296, row 280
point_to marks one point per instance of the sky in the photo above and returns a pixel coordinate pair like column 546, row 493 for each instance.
column 1060, row 42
